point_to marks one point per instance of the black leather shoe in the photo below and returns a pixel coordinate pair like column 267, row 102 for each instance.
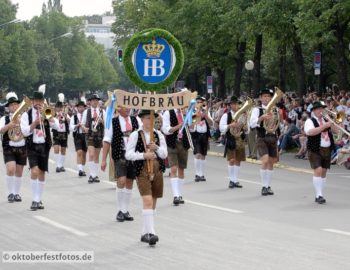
column 62, row 169
column 197, row 178
column 237, row 185
column 269, row 191
column 264, row 191
column 11, row 198
column 120, row 216
column 145, row 238
column 18, row 198
column 58, row 169
column 153, row 239
column 80, row 173
column 40, row 205
column 176, row 201
column 231, row 185
column 96, row 179
column 181, row 200
column 203, row 178
column 84, row 173
column 34, row 206
column 127, row 217
column 91, row 180
column 320, row 200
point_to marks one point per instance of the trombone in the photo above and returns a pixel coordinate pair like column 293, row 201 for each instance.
column 338, row 119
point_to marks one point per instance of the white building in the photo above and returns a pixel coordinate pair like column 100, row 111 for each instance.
column 102, row 32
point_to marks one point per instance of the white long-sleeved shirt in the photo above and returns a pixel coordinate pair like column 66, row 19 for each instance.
column 166, row 126
column 25, row 127
column 132, row 154
column 59, row 127
column 12, row 143
column 254, row 117
column 310, row 125
column 92, row 114
column 108, row 135
column 223, row 126
column 72, row 126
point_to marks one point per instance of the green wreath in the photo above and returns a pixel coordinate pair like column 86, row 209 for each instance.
column 143, row 37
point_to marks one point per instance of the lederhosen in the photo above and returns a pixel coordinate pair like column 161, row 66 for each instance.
column 123, row 167
column 177, row 148
column 94, row 138
column 79, row 138
column 38, row 154
column 145, row 185
column 266, row 142
column 319, row 156
column 61, row 138
column 13, row 153
column 234, row 146
column 201, row 140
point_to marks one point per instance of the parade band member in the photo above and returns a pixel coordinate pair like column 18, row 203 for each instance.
column 37, row 131
column 93, row 123
column 15, row 152
column 139, row 149
column 76, row 128
column 117, row 136
column 200, row 131
column 234, row 146
column 178, row 146
column 60, row 134
column 319, row 144
column 266, row 143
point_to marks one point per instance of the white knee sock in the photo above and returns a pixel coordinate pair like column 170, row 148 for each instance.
column 263, row 175
column 34, row 184
column 91, row 165
column 181, row 185
column 175, row 186
column 79, row 166
column 96, row 168
column 62, row 160
column 268, row 177
column 40, row 190
column 10, row 184
column 231, row 173
column 202, row 167
column 197, row 166
column 236, row 170
column 57, row 159
column 17, row 184
column 318, row 185
column 148, row 221
column 127, row 199
column 120, row 198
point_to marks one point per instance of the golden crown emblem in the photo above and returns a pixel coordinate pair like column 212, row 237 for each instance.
column 154, row 49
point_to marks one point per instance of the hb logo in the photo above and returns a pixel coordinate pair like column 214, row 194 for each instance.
column 153, row 66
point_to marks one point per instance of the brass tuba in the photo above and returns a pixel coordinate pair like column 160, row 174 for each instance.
column 272, row 124
column 241, row 117
column 15, row 134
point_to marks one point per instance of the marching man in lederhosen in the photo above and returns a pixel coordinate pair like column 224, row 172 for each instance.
column 140, row 150
column 14, row 149
column 266, row 142
column 200, row 131
column 79, row 136
column 319, row 144
column 117, row 137
column 178, row 146
column 93, row 123
column 60, row 134
column 37, row 130
column 234, row 146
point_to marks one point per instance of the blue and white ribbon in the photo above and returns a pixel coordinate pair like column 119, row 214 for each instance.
column 189, row 114
column 110, row 112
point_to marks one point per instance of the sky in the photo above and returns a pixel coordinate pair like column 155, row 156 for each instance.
column 29, row 8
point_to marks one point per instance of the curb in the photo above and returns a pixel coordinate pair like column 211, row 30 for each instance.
column 258, row 162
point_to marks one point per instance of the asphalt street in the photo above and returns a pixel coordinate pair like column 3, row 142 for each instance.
column 216, row 228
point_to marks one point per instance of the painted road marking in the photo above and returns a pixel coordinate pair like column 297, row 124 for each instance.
column 60, row 226
column 337, row 231
column 234, row 211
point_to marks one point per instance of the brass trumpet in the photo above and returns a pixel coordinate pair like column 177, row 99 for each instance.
column 200, row 108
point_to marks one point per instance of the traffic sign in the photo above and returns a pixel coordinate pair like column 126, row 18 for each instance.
column 317, row 60
column 210, row 84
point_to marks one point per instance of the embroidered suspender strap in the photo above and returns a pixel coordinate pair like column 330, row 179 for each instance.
column 148, row 161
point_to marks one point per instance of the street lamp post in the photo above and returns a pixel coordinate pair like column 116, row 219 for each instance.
column 69, row 34
column 249, row 66
column 13, row 21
